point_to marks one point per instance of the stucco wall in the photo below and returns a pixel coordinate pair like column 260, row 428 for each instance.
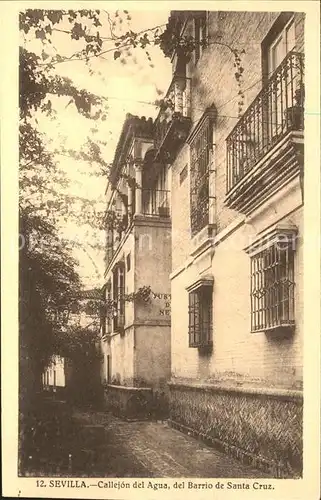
column 149, row 246
column 152, row 320
column 152, row 264
column 122, row 353
column 152, row 268
column 153, row 356
column 238, row 353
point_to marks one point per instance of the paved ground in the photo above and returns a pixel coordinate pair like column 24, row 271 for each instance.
column 153, row 449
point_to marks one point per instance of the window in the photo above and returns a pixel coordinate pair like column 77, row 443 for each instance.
column 200, row 314
column 109, row 308
column 107, row 312
column 272, row 285
column 200, row 34
column 162, row 192
column 282, row 44
column 200, row 153
column 278, row 44
column 119, row 296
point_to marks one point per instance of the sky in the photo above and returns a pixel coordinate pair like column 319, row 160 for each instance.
column 129, row 88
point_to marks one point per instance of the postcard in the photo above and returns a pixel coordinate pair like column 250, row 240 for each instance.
column 161, row 249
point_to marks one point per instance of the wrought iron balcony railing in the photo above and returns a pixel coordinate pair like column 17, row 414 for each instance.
column 173, row 121
column 277, row 110
column 156, row 202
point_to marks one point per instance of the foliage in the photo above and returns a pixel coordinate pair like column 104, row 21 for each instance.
column 49, row 437
column 174, row 40
column 143, row 294
column 48, row 282
column 114, row 220
column 78, row 343
column 41, row 84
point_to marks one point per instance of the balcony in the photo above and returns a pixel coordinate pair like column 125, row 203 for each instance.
column 173, row 122
column 156, row 202
column 155, row 210
column 265, row 148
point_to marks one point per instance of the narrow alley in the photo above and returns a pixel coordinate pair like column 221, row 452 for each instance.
column 151, row 449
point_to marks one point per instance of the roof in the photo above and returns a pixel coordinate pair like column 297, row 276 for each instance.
column 133, row 126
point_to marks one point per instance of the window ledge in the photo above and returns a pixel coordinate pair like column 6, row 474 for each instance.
column 284, row 328
column 203, row 240
column 207, row 280
column 281, row 233
column 203, row 348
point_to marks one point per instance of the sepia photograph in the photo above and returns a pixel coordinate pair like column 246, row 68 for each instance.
column 161, row 253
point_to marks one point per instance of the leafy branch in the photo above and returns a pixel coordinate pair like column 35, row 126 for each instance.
column 143, row 294
column 171, row 41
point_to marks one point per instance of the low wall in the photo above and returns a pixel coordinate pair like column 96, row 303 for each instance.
column 128, row 402
column 261, row 427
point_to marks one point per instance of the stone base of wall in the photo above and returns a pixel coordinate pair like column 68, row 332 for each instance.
column 260, row 427
column 135, row 403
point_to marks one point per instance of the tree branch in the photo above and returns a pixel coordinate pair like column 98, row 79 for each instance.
column 90, row 56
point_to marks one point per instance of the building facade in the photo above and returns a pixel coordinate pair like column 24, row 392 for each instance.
column 237, row 235
column 136, row 325
column 53, row 377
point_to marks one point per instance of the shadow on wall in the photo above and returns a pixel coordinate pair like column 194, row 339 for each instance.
column 204, row 362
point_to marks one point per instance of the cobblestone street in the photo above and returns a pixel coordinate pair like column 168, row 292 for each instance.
column 153, row 449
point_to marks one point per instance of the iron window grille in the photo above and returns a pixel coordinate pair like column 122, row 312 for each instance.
column 119, row 297
column 200, row 317
column 201, row 148
column 272, row 288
